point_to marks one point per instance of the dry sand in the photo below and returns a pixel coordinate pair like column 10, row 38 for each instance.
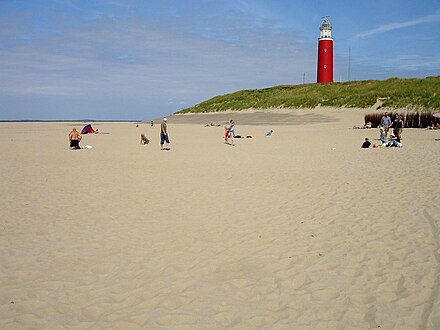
column 301, row 230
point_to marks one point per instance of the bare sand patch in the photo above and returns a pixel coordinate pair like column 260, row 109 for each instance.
column 302, row 229
column 271, row 116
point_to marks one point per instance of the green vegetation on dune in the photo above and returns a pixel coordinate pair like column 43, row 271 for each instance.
column 421, row 94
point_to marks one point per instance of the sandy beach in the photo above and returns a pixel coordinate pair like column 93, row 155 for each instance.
column 299, row 230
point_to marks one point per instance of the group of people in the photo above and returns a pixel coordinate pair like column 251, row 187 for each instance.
column 164, row 138
column 385, row 124
column 75, row 137
column 396, row 124
column 391, row 142
column 163, row 135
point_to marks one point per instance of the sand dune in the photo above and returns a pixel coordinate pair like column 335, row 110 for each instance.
column 300, row 230
column 259, row 117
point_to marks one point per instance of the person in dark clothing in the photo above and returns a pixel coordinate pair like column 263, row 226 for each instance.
column 366, row 143
column 164, row 135
column 397, row 126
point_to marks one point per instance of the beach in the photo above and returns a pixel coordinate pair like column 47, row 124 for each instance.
column 299, row 230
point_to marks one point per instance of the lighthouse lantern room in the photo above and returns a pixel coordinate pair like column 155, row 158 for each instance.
column 325, row 52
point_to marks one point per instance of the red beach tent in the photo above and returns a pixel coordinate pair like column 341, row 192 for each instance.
column 88, row 129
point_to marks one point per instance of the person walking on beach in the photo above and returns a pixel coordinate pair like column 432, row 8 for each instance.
column 164, row 135
column 397, row 126
column 385, row 122
column 152, row 123
column 74, row 138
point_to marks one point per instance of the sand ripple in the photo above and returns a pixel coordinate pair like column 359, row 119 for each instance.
column 303, row 230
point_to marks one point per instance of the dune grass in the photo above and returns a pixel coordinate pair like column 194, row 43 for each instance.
column 396, row 93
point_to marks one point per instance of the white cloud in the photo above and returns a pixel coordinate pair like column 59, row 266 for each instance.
column 44, row 90
column 398, row 25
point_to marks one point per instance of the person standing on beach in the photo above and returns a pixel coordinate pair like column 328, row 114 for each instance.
column 397, row 127
column 164, row 135
column 385, row 122
column 152, row 123
column 231, row 130
column 74, row 138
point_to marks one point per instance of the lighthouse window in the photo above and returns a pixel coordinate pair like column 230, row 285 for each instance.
column 325, row 50
column 325, row 66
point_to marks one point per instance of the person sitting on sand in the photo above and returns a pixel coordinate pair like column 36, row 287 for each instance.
column 431, row 125
column 383, row 135
column 144, row 139
column 366, row 143
column 367, row 125
column 393, row 142
column 74, row 138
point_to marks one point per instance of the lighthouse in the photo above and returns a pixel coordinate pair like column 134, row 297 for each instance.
column 325, row 52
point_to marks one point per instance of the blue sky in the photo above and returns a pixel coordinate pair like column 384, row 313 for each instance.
column 135, row 60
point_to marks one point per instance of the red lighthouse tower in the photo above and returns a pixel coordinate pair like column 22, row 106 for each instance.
column 325, row 52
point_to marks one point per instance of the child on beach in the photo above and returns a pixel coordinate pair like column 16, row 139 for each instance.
column 226, row 134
